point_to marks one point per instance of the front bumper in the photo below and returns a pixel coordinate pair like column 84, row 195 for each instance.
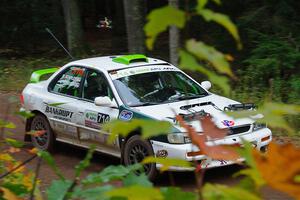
column 180, row 151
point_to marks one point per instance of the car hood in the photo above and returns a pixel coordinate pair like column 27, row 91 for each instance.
column 212, row 104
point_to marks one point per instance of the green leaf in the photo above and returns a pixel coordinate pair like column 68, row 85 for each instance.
column 85, row 162
column 173, row 193
column 58, row 189
column 14, row 143
column 25, row 114
column 274, row 114
column 252, row 172
column 216, row 191
column 223, row 20
column 167, row 162
column 297, row 179
column 136, row 192
column 133, row 179
column 96, row 193
column 5, row 124
column 159, row 20
column 49, row 159
column 210, row 54
column 189, row 62
column 111, row 173
column 123, row 128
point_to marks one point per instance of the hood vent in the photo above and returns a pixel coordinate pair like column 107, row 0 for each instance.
column 196, row 104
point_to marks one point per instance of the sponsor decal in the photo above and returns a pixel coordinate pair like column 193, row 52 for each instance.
column 94, row 119
column 59, row 113
column 126, row 115
column 228, row 123
column 223, row 162
column 162, row 153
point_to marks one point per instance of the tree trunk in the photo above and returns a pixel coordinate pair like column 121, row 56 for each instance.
column 174, row 38
column 73, row 25
column 134, row 11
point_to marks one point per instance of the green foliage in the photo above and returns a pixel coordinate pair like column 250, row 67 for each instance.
column 217, row 192
column 95, row 193
column 110, row 173
column 58, row 189
column 167, row 162
column 209, row 54
column 14, row 143
column 49, row 159
column 25, row 114
column 173, row 193
column 85, row 162
column 136, row 192
column 5, row 124
column 219, row 18
column 273, row 114
column 170, row 16
column 133, row 179
column 123, row 128
column 189, row 62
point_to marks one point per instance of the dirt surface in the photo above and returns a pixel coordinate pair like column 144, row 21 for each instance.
column 67, row 156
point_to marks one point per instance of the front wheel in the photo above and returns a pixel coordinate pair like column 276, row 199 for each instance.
column 136, row 149
column 44, row 141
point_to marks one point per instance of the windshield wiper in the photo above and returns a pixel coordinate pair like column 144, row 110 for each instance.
column 145, row 104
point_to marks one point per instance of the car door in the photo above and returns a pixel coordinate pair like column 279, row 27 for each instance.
column 61, row 106
column 92, row 117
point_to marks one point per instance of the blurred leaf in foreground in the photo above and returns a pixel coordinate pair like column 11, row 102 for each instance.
column 279, row 167
column 49, row 159
column 136, row 192
column 14, row 143
column 189, row 62
column 273, row 114
column 208, row 53
column 167, row 162
column 216, row 191
column 173, row 193
column 123, row 128
column 58, row 189
column 159, row 20
column 111, row 173
column 220, row 152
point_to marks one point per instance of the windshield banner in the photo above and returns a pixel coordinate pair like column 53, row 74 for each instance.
column 140, row 70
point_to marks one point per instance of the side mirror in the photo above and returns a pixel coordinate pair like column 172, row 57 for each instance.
column 105, row 102
column 206, row 85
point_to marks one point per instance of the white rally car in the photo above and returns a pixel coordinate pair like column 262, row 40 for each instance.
column 78, row 98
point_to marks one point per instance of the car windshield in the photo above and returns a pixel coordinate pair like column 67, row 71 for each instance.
column 157, row 87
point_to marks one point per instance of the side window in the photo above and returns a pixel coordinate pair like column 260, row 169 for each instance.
column 69, row 82
column 95, row 85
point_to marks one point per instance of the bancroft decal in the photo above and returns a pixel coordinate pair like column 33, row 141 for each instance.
column 59, row 113
column 125, row 115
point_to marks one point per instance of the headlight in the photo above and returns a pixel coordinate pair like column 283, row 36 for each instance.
column 257, row 126
column 178, row 138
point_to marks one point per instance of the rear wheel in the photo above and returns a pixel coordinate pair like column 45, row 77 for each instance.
column 136, row 149
column 44, row 141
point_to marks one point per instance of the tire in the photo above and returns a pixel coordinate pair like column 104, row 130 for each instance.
column 135, row 150
column 46, row 141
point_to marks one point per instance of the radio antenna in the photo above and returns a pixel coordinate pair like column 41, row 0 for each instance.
column 49, row 31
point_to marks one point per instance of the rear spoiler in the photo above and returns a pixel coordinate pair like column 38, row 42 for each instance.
column 36, row 75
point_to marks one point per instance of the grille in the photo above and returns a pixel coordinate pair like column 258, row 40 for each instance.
column 239, row 129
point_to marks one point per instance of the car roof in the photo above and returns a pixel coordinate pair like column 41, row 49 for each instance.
column 108, row 63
